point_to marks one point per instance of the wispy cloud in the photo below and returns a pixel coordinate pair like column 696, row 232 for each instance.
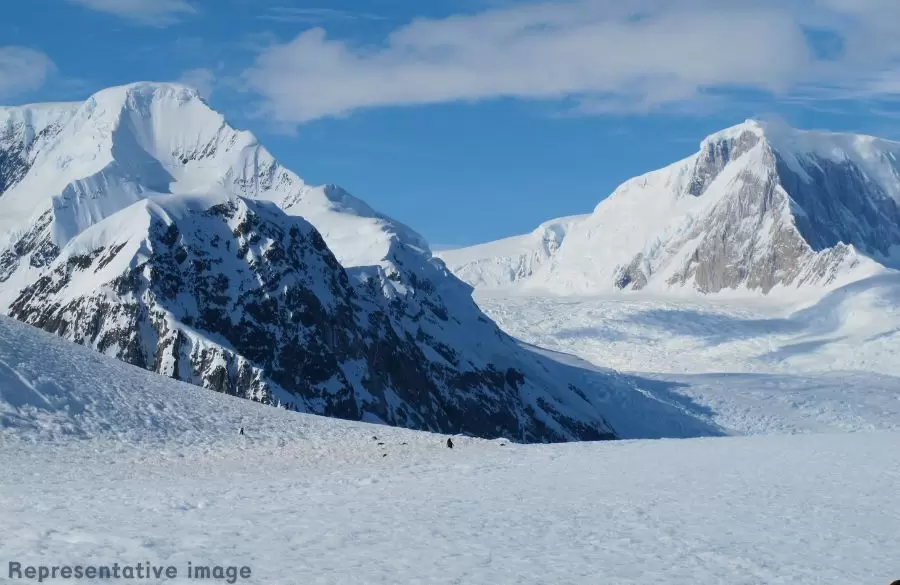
column 314, row 15
column 608, row 55
column 23, row 69
column 144, row 12
column 202, row 79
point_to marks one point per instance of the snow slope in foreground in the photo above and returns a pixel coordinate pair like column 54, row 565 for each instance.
column 323, row 509
column 103, row 462
column 125, row 467
column 54, row 392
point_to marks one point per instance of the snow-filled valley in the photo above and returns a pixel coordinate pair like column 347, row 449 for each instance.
column 106, row 463
column 856, row 328
column 798, row 510
column 752, row 366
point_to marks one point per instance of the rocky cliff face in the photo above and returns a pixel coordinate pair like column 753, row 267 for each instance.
column 791, row 222
column 140, row 224
column 759, row 207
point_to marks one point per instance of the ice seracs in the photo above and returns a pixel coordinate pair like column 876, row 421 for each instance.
column 760, row 207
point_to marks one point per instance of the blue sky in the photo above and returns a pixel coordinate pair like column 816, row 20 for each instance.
column 472, row 120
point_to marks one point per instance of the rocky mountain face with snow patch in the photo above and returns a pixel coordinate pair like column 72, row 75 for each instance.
column 141, row 224
column 760, row 207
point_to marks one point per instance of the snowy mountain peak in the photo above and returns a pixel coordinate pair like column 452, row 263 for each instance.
column 750, row 126
column 140, row 223
column 121, row 145
column 140, row 96
column 152, row 90
column 782, row 137
column 872, row 154
column 760, row 206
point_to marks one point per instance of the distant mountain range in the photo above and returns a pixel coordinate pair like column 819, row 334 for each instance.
column 760, row 208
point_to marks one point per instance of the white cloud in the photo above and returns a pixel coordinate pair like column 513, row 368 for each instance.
column 545, row 51
column 869, row 66
column 609, row 55
column 203, row 80
column 148, row 12
column 22, row 69
column 313, row 15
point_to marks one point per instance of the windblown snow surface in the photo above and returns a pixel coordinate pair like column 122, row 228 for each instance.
column 103, row 462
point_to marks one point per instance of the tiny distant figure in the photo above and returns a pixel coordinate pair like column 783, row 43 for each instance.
column 449, row 443
column 374, row 438
column 384, row 455
column 242, row 430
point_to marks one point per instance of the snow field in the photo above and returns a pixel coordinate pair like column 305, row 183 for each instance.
column 802, row 509
column 103, row 462
column 751, row 367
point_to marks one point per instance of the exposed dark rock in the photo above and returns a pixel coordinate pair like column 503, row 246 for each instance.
column 282, row 323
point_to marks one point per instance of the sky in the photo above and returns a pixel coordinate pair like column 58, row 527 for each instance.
column 472, row 120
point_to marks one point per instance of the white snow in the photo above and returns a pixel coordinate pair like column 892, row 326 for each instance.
column 769, row 366
column 105, row 463
column 510, row 260
column 798, row 510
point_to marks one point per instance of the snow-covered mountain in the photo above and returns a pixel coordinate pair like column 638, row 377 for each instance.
column 760, row 206
column 513, row 259
column 141, row 224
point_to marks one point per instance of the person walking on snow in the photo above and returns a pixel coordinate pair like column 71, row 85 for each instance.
column 449, row 443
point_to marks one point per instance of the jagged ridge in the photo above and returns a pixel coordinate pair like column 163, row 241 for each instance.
column 760, row 206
